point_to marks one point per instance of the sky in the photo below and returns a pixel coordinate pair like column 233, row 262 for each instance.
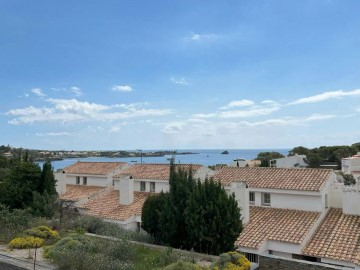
column 111, row 75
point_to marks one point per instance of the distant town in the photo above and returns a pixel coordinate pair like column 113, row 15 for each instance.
column 50, row 155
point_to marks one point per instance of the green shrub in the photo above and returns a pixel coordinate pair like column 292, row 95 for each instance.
column 26, row 242
column 42, row 232
column 180, row 265
column 12, row 222
column 81, row 252
column 232, row 261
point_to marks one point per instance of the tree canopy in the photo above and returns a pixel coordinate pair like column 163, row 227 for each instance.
column 193, row 215
column 316, row 156
column 25, row 186
column 265, row 157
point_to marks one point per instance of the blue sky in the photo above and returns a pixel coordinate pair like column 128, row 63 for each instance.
column 79, row 75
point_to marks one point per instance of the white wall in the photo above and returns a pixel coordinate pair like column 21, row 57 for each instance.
column 241, row 192
column 160, row 185
column 60, row 182
column 203, row 172
column 283, row 247
column 307, row 201
column 92, row 180
column 282, row 254
column 351, row 200
column 289, row 162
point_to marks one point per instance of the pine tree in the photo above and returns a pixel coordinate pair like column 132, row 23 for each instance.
column 47, row 180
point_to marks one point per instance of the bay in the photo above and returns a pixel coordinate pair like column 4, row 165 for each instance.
column 205, row 157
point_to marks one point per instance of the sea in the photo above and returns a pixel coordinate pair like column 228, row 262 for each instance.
column 205, row 157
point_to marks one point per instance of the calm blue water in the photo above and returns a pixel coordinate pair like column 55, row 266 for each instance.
column 204, row 156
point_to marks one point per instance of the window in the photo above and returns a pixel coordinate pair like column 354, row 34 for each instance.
column 326, row 201
column 84, row 180
column 142, row 186
column 265, row 199
column 78, row 180
column 252, row 198
column 152, row 186
column 252, row 257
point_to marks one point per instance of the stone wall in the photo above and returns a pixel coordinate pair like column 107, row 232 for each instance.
column 273, row 262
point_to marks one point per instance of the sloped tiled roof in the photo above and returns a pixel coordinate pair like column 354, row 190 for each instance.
column 108, row 206
column 337, row 237
column 154, row 171
column 96, row 168
column 275, row 178
column 77, row 192
column 285, row 225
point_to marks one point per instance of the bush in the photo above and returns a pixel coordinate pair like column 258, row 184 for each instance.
column 232, row 261
column 26, row 242
column 42, row 232
column 81, row 252
column 12, row 222
column 180, row 265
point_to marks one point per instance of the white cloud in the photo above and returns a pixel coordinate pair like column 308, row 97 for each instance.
column 248, row 113
column 117, row 128
column 76, row 90
column 179, row 81
column 38, row 92
column 204, row 128
column 326, row 96
column 53, row 134
column 203, row 37
column 238, row 103
column 72, row 110
column 122, row 88
column 252, row 112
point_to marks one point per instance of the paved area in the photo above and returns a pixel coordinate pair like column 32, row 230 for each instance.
column 8, row 262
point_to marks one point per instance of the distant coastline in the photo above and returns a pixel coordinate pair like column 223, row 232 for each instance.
column 205, row 157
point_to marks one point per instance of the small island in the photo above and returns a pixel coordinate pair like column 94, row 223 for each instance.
column 226, row 152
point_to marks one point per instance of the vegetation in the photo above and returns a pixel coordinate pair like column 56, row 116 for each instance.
column 348, row 178
column 232, row 261
column 316, row 156
column 265, row 157
column 193, row 215
column 43, row 232
column 26, row 242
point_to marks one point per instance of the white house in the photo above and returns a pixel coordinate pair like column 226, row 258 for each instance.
column 296, row 161
column 298, row 213
column 88, row 174
column 351, row 165
column 120, row 197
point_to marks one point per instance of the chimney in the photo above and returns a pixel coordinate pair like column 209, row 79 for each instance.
column 126, row 190
column 60, row 178
column 241, row 192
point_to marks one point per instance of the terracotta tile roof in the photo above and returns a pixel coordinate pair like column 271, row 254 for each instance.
column 275, row 178
column 337, row 237
column 77, row 192
column 154, row 171
column 97, row 168
column 275, row 224
column 108, row 206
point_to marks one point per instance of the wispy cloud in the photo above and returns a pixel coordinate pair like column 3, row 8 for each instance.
column 53, row 134
column 72, row 110
column 203, row 37
column 250, row 112
column 76, row 90
column 38, row 92
column 238, row 103
column 118, row 127
column 201, row 126
column 122, row 88
column 179, row 81
column 326, row 96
